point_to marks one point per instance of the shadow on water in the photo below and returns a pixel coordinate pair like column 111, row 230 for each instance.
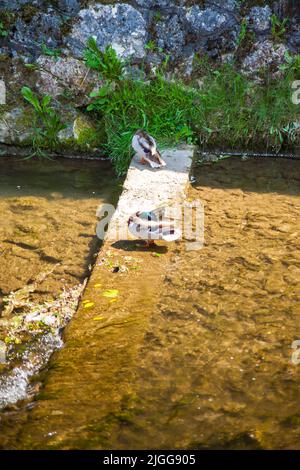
column 137, row 245
column 73, row 179
column 271, row 175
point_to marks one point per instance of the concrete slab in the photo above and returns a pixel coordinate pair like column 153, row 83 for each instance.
column 146, row 188
column 93, row 375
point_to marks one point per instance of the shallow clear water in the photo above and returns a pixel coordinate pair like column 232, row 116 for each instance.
column 197, row 352
column 48, row 231
column 48, row 216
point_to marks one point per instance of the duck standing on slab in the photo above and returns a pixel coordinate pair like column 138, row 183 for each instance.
column 145, row 146
column 153, row 225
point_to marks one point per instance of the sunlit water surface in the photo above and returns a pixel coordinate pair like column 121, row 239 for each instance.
column 48, row 231
column 212, row 364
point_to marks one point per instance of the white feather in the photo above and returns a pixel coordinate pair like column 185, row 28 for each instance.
column 138, row 142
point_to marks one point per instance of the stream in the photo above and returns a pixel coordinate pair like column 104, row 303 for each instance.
column 203, row 362
column 47, row 248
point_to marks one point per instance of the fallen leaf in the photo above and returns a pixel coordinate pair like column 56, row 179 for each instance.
column 99, row 318
column 111, row 293
column 89, row 304
column 97, row 285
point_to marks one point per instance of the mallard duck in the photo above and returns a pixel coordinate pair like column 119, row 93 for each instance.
column 145, row 146
column 152, row 225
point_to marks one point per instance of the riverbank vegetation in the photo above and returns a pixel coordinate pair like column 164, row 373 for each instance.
column 218, row 107
column 46, row 124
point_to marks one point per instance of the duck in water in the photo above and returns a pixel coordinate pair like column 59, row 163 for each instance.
column 145, row 147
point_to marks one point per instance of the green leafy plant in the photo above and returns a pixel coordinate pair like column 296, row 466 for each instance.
column 50, row 52
column 106, row 62
column 47, row 123
column 163, row 108
column 227, row 110
column 278, row 28
column 157, row 16
column 243, row 32
column 153, row 47
column 102, row 98
column 32, row 66
column 291, row 65
column 3, row 31
column 150, row 46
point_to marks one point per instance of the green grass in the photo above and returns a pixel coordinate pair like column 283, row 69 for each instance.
column 3, row 31
column 243, row 32
column 56, row 53
column 105, row 62
column 240, row 113
column 165, row 109
column 228, row 110
column 278, row 28
column 46, row 123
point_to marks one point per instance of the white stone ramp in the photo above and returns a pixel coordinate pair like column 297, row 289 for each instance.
column 146, row 188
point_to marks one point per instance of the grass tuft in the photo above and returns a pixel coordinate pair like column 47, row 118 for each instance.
column 225, row 109
column 228, row 110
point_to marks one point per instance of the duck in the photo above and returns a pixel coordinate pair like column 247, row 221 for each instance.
column 146, row 148
column 153, row 225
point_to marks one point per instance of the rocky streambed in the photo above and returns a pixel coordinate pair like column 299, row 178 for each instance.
column 190, row 349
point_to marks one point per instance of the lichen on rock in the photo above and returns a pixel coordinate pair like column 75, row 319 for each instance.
column 120, row 25
column 83, row 134
column 265, row 55
column 44, row 28
column 259, row 19
column 14, row 128
column 65, row 73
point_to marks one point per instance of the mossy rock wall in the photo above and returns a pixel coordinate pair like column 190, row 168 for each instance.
column 50, row 36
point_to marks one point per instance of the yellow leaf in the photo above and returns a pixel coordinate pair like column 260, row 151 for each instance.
column 111, row 293
column 97, row 285
column 89, row 304
column 99, row 318
column 86, row 301
column 113, row 300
